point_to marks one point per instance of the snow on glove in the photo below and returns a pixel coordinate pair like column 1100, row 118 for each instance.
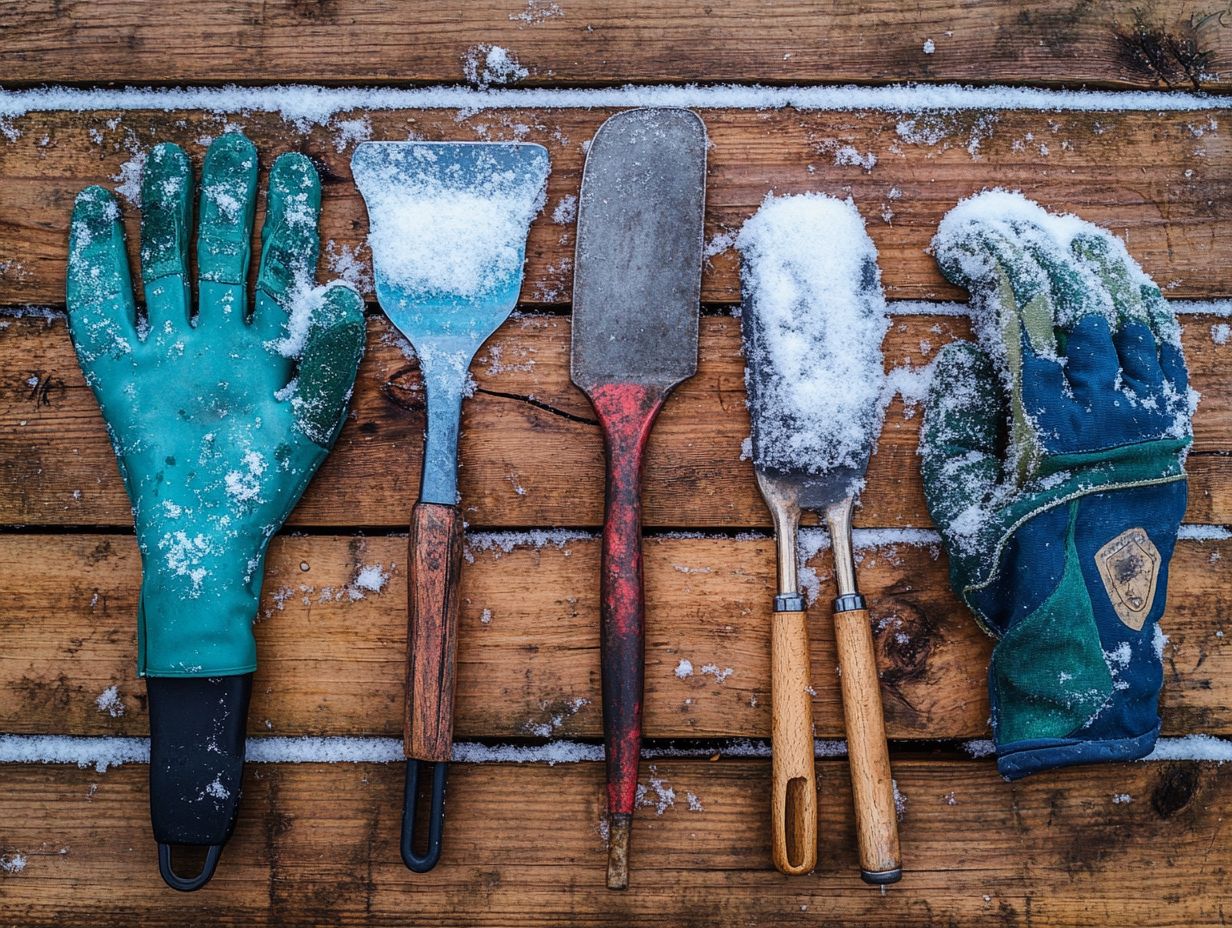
column 218, row 420
column 1053, row 464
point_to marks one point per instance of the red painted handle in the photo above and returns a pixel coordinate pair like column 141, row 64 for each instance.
column 432, row 630
column 626, row 413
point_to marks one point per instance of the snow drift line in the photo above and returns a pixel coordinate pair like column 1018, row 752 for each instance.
column 1222, row 308
column 104, row 752
column 308, row 104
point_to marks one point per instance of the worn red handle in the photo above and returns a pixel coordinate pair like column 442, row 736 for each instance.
column 626, row 414
column 432, row 629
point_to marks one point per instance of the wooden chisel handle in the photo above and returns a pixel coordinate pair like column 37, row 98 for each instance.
column 793, row 775
column 626, row 413
column 871, row 783
column 432, row 629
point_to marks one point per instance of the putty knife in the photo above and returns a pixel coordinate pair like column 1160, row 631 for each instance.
column 636, row 298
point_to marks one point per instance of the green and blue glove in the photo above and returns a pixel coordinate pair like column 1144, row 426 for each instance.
column 219, row 419
column 1053, row 464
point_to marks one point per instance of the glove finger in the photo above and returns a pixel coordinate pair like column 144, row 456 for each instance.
column 961, row 439
column 102, row 315
column 228, row 195
column 289, row 241
column 166, row 221
column 1171, row 357
column 1133, row 340
column 328, row 364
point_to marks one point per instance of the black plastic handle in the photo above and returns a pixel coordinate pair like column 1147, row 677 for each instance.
column 197, row 728
column 422, row 863
column 183, row 884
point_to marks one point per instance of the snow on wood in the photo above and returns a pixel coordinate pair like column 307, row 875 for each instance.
column 307, row 104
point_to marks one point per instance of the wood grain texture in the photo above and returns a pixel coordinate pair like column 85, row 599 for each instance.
column 434, row 590
column 872, row 783
column 318, row 845
column 793, row 780
column 1159, row 179
column 528, row 641
column 597, row 42
column 532, row 453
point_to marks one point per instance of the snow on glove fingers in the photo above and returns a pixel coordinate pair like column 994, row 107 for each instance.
column 1053, row 466
column 219, row 420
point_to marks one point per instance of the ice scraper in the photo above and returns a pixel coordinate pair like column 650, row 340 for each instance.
column 636, row 296
column 447, row 228
column 812, row 323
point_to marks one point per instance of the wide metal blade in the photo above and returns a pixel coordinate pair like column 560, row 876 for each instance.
column 812, row 491
column 427, row 317
column 638, row 267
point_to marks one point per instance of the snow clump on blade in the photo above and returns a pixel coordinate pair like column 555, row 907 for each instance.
column 817, row 317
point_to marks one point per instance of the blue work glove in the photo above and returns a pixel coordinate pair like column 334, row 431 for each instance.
column 1053, row 465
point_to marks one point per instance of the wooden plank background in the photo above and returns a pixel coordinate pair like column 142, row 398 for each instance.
column 1143, row 844
column 586, row 42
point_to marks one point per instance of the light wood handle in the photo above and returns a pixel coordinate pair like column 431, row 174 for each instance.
column 871, row 783
column 793, row 805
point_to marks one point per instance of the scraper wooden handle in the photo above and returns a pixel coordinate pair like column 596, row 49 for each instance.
column 432, row 629
column 793, row 801
column 871, row 783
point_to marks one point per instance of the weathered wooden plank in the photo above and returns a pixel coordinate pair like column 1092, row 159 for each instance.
column 317, row 844
column 592, row 41
column 532, row 454
column 1158, row 178
column 528, row 661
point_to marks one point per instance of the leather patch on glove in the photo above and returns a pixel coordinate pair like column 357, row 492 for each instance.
column 1129, row 567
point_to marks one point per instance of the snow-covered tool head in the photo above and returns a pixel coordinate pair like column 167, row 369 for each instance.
column 448, row 224
column 813, row 319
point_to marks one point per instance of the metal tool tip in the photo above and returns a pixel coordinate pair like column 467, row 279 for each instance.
column 619, row 826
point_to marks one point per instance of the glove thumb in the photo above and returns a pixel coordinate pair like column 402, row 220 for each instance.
column 960, row 441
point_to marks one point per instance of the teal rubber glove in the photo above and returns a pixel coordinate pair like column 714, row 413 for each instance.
column 1053, row 465
column 219, row 418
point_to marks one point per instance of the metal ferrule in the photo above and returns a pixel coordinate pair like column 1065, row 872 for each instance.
column 789, row 602
column 850, row 602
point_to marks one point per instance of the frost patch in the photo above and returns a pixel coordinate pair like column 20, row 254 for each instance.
column 184, row 556
column 556, row 719
column 109, row 701
column 13, row 863
column 485, row 65
column 565, row 211
column 128, row 181
column 536, row 12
